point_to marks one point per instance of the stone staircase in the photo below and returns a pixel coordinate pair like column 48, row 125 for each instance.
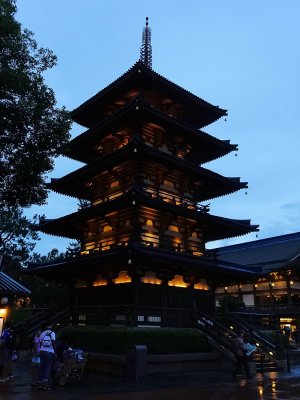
column 221, row 337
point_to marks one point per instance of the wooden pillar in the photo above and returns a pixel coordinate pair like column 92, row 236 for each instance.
column 288, row 290
column 254, row 295
column 135, row 288
column 271, row 293
column 164, row 298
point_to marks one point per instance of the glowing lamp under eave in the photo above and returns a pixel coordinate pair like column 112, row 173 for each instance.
column 4, row 300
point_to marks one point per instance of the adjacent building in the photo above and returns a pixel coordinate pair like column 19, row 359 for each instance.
column 272, row 298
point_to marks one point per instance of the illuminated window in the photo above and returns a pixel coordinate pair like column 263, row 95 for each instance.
column 154, row 319
column 197, row 253
column 122, row 278
column 173, row 228
column 100, row 281
column 150, row 277
column 169, row 183
column 178, row 282
column 114, row 184
column 202, row 285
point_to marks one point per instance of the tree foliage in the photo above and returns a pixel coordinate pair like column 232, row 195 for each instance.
column 33, row 130
column 17, row 238
column 44, row 292
column 230, row 303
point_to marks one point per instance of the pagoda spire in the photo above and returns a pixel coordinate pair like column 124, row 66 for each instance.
column 146, row 49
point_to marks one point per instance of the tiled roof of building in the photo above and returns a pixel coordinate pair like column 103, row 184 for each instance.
column 9, row 285
column 274, row 253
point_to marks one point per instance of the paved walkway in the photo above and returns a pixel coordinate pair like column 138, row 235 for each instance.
column 189, row 386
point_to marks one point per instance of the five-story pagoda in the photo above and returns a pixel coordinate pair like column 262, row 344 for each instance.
column 143, row 233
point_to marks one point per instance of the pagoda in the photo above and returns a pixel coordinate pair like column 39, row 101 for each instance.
column 144, row 228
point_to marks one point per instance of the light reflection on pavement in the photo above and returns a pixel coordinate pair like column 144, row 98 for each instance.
column 188, row 386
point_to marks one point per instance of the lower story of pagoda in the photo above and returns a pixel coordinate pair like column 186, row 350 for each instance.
column 141, row 304
column 140, row 286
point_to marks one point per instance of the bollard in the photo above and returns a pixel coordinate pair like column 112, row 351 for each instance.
column 136, row 366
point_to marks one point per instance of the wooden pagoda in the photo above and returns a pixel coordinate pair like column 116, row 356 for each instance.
column 144, row 229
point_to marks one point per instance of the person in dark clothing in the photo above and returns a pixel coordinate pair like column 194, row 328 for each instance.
column 9, row 342
column 240, row 355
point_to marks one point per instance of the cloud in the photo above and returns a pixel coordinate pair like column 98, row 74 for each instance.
column 292, row 209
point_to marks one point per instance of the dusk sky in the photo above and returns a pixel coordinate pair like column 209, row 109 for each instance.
column 240, row 55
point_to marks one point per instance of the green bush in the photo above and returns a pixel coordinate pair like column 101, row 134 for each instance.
column 117, row 340
column 230, row 303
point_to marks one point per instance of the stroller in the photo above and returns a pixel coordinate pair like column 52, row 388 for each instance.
column 71, row 368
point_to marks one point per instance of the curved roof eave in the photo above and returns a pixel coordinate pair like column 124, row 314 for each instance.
column 129, row 73
column 79, row 140
column 68, row 222
column 211, row 266
column 9, row 285
column 86, row 171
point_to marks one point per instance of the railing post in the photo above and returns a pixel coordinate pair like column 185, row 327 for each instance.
column 261, row 363
column 288, row 361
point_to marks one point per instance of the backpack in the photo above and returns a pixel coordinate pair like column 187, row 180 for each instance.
column 47, row 341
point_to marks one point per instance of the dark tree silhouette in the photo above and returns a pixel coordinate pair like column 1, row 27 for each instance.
column 32, row 129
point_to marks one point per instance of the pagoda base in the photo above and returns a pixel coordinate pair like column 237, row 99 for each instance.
column 156, row 306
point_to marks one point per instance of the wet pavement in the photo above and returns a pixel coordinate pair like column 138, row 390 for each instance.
column 190, row 386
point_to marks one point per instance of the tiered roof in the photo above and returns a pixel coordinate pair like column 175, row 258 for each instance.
column 201, row 113
column 214, row 185
column 155, row 258
column 211, row 148
column 214, row 227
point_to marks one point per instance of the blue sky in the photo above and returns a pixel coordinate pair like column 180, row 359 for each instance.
column 238, row 54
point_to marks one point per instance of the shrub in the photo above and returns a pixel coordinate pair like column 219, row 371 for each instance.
column 117, row 340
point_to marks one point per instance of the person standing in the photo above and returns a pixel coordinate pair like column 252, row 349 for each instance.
column 240, row 355
column 9, row 345
column 35, row 358
column 47, row 353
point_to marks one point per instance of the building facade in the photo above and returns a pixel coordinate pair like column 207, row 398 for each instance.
column 274, row 297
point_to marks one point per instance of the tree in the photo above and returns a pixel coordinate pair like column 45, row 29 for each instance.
column 230, row 303
column 33, row 130
column 45, row 292
column 17, row 239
